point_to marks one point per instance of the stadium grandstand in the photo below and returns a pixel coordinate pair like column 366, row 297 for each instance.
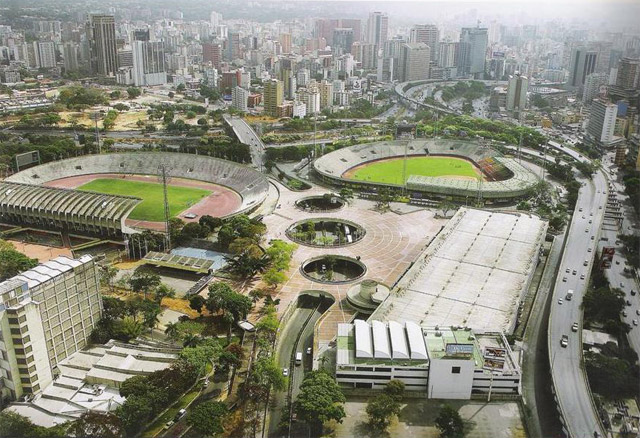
column 64, row 209
column 502, row 179
column 94, row 213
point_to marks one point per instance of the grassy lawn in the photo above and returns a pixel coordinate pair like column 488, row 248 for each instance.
column 151, row 208
column 390, row 171
column 170, row 414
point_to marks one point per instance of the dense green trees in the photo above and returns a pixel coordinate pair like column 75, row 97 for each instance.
column 207, row 417
column 133, row 92
column 612, row 377
column 79, row 97
column 382, row 408
column 147, row 396
column 233, row 305
column 13, row 262
column 14, row 425
column 359, row 109
column 125, row 320
column 320, row 400
column 466, row 90
column 96, row 425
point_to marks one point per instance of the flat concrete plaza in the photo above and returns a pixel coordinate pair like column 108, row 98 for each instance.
column 391, row 244
column 417, row 419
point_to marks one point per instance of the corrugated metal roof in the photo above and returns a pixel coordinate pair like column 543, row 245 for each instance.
column 416, row 341
column 381, row 349
column 364, row 344
column 399, row 349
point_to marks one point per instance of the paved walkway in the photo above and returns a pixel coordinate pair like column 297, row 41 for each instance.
column 391, row 244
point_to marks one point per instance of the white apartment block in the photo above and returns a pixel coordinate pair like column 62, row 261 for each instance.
column 46, row 314
column 240, row 99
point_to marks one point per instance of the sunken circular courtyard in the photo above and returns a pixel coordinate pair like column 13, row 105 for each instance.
column 325, row 232
column 333, row 269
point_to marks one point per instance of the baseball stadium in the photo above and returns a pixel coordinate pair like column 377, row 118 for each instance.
column 114, row 194
column 434, row 168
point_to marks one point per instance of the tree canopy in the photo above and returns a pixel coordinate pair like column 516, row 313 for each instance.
column 320, row 400
column 207, row 418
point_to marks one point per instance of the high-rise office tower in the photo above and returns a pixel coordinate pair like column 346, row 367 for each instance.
column 273, row 96
column 46, row 314
column 148, row 63
column 602, row 121
column 448, row 55
column 517, row 92
column 414, row 62
column 232, row 46
column 215, row 19
column 377, row 28
column 343, row 40
column 141, row 35
column 428, row 34
column 212, row 52
column 582, row 64
column 324, row 27
column 302, row 77
column 285, row 42
column 366, row 54
column 592, row 86
column 472, row 52
column 70, row 54
column 45, row 54
column 628, row 76
column 101, row 33
column 627, row 82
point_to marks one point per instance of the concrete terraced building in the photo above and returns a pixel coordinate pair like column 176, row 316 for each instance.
column 46, row 314
column 64, row 209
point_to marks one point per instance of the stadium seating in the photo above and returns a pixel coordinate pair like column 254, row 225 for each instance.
column 251, row 185
column 506, row 177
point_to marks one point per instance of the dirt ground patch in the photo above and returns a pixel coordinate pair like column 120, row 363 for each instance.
column 417, row 419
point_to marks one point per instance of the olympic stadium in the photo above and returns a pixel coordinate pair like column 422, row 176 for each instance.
column 110, row 195
column 434, row 168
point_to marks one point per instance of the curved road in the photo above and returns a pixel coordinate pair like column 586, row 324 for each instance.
column 573, row 394
column 301, row 322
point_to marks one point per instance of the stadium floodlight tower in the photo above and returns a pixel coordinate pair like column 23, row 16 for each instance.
column 164, row 174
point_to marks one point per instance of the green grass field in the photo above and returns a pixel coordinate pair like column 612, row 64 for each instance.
column 152, row 206
column 390, row 171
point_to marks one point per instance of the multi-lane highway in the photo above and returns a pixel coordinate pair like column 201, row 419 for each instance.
column 573, row 395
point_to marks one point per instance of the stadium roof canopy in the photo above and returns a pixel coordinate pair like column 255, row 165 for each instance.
column 53, row 207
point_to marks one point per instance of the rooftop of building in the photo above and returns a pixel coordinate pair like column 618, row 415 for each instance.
column 409, row 345
column 88, row 380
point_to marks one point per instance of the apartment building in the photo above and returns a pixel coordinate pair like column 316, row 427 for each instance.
column 46, row 314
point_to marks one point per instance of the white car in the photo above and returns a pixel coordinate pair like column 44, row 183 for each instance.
column 635, row 322
column 285, row 372
column 560, row 301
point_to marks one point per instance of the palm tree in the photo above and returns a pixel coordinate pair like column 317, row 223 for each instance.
column 191, row 340
column 171, row 330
